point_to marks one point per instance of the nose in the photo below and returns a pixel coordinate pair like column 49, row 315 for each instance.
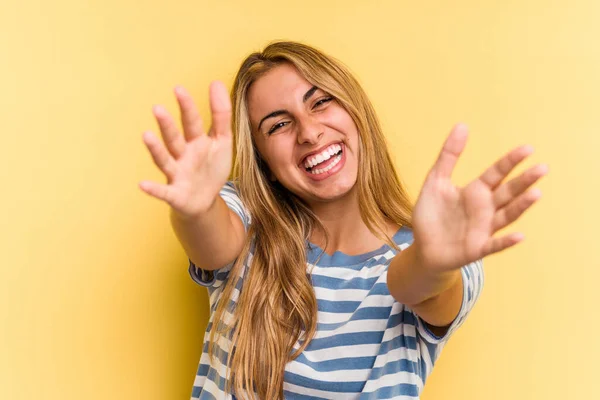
column 310, row 131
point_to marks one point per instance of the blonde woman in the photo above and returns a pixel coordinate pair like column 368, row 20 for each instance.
column 325, row 282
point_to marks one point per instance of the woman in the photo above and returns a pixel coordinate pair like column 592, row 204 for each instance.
column 323, row 278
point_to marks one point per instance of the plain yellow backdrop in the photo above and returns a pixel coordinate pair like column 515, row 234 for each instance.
column 96, row 301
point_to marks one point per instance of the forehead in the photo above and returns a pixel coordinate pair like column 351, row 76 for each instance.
column 280, row 88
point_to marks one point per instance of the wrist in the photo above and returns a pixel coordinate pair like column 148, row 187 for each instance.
column 423, row 264
column 196, row 214
column 414, row 281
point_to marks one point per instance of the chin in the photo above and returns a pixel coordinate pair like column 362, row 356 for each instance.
column 332, row 192
column 334, row 188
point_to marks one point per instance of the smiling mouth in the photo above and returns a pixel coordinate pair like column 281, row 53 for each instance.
column 326, row 165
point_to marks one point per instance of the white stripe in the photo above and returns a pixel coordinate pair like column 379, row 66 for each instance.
column 332, row 318
column 396, row 355
column 343, row 375
column 401, row 397
column 425, row 356
column 212, row 388
column 376, row 271
column 394, row 380
column 402, row 329
column 317, row 393
column 375, row 300
column 356, row 350
column 363, row 325
column 372, row 271
column 340, row 294
column 199, row 381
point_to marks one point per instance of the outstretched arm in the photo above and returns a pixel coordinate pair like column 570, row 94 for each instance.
column 454, row 226
column 197, row 165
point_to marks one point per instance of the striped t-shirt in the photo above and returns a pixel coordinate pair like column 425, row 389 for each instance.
column 367, row 345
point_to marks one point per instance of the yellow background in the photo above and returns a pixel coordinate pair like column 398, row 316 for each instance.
column 96, row 301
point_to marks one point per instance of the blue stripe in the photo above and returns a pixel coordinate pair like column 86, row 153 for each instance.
column 345, row 339
column 397, row 342
column 365, row 274
column 220, row 354
column 402, row 236
column 380, row 288
column 336, row 387
column 374, row 314
column 400, row 389
column 392, row 367
column 338, row 283
column 296, row 396
column 213, row 376
column 338, row 306
column 197, row 392
column 338, row 363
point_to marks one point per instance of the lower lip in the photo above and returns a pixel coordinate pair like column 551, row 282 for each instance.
column 325, row 175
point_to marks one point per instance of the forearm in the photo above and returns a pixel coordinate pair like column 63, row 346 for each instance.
column 436, row 297
column 212, row 239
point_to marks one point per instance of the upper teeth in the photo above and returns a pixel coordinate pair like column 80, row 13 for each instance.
column 322, row 156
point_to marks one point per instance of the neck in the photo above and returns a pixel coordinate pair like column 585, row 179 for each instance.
column 346, row 231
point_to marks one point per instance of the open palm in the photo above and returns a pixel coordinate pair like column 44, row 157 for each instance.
column 196, row 164
column 454, row 226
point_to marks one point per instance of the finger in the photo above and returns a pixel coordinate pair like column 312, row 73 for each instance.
column 515, row 209
column 501, row 168
column 190, row 118
column 169, row 132
column 510, row 190
column 160, row 155
column 495, row 245
column 157, row 190
column 453, row 147
column 220, row 107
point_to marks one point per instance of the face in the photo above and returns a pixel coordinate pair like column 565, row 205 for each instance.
column 308, row 140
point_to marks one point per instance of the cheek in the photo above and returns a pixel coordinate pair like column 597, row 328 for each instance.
column 351, row 131
column 342, row 121
column 279, row 155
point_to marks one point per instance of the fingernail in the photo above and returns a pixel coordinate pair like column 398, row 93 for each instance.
column 528, row 148
column 544, row 169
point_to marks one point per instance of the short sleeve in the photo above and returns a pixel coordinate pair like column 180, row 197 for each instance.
column 215, row 278
column 472, row 276
column 230, row 195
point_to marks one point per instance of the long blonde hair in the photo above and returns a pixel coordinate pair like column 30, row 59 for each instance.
column 277, row 307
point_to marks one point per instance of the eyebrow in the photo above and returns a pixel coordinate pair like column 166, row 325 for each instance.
column 277, row 113
column 308, row 94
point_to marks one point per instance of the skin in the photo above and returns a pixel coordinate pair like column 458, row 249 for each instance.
column 308, row 125
column 453, row 226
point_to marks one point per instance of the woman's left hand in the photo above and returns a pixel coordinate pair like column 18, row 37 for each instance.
column 454, row 226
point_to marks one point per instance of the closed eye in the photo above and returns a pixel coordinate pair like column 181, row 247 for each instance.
column 277, row 126
column 322, row 101
column 317, row 104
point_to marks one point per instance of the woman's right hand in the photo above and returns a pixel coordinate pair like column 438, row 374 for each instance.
column 196, row 164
